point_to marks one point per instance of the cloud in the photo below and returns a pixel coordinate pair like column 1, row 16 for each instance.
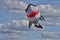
column 24, row 26
column 49, row 10
column 21, row 25
column 18, row 7
column 51, row 23
column 11, row 34
column 8, row 28
column 16, row 29
column 13, row 6
column 43, row 39
column 51, row 14
column 51, row 34
column 36, row 39
column 14, row 24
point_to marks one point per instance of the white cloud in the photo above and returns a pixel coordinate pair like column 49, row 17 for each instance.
column 36, row 39
column 17, row 11
column 47, row 23
column 17, row 28
column 1, row 25
column 18, row 7
column 11, row 34
column 22, row 25
column 14, row 6
column 49, row 9
column 45, row 39
column 51, row 14
column 51, row 34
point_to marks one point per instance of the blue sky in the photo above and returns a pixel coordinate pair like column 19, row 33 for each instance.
column 14, row 24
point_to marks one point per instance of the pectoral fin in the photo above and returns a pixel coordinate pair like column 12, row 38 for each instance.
column 30, row 24
column 42, row 18
column 39, row 26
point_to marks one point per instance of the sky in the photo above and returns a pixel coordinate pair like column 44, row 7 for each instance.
column 14, row 23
